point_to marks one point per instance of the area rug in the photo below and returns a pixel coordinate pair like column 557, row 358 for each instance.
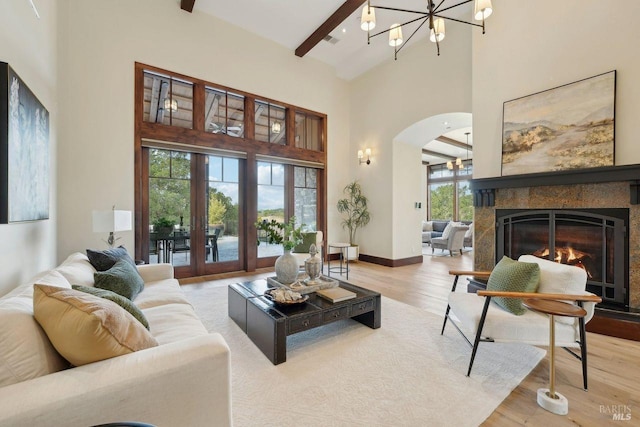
column 346, row 374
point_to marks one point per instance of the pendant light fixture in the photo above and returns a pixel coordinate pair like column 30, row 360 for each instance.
column 433, row 16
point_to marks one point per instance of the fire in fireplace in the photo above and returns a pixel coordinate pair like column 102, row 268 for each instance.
column 593, row 239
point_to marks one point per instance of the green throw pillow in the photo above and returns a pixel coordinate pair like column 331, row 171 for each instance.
column 513, row 276
column 118, row 299
column 308, row 239
column 104, row 260
column 123, row 279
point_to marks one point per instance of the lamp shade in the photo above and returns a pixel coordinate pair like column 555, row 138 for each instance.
column 395, row 35
column 368, row 20
column 437, row 32
column 482, row 9
column 111, row 221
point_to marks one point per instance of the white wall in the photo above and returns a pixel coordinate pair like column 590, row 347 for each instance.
column 385, row 101
column 28, row 45
column 534, row 46
column 101, row 40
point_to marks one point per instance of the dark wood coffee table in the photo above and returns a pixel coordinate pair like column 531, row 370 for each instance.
column 268, row 324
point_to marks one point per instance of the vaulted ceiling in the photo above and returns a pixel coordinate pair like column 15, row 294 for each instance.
column 329, row 31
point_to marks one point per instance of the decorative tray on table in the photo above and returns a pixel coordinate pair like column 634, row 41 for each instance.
column 281, row 296
column 305, row 286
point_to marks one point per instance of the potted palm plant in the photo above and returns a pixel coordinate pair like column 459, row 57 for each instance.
column 356, row 214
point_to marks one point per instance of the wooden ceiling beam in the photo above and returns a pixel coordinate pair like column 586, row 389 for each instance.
column 187, row 5
column 338, row 17
column 437, row 154
column 454, row 143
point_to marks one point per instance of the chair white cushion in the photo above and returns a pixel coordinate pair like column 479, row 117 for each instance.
column 502, row 326
column 427, row 225
column 556, row 278
column 469, row 232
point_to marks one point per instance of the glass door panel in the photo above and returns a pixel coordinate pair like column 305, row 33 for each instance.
column 222, row 186
column 271, row 203
column 306, row 197
column 169, row 207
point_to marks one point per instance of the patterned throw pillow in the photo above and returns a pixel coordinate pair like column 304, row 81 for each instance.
column 104, row 260
column 85, row 328
column 513, row 276
column 123, row 279
column 123, row 302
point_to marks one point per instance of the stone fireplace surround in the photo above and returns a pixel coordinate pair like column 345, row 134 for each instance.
column 612, row 187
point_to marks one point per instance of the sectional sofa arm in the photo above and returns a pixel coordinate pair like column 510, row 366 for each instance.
column 155, row 272
column 186, row 382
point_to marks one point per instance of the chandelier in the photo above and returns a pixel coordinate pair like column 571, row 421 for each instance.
column 459, row 163
column 432, row 16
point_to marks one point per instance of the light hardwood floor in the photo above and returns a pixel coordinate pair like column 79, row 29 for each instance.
column 614, row 364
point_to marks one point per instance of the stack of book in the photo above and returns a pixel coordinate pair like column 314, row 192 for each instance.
column 336, row 294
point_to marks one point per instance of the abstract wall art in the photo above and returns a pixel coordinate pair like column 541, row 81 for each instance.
column 24, row 151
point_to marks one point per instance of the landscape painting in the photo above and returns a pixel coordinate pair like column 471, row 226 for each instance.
column 24, row 151
column 568, row 127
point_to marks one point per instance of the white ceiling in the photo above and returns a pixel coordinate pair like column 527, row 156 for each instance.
column 290, row 22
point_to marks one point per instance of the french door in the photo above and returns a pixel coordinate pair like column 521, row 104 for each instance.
column 193, row 211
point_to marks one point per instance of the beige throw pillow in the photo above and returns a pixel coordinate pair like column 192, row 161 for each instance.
column 85, row 328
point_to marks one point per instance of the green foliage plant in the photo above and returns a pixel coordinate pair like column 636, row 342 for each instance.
column 281, row 233
column 355, row 210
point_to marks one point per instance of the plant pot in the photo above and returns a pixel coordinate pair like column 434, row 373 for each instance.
column 286, row 268
column 353, row 252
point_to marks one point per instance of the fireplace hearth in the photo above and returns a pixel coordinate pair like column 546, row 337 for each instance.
column 593, row 239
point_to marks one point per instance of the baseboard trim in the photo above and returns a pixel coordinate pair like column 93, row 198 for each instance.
column 615, row 324
column 391, row 262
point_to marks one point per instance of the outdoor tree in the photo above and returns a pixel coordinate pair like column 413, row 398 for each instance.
column 169, row 185
column 442, row 201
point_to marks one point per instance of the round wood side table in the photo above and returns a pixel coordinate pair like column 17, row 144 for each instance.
column 549, row 399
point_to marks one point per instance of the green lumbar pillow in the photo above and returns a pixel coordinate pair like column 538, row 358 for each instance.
column 123, row 302
column 513, row 276
column 308, row 239
column 123, row 279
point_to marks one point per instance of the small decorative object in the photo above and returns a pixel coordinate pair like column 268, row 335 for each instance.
column 283, row 296
column 288, row 235
column 312, row 265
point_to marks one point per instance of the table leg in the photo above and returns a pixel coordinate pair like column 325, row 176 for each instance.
column 548, row 398
column 347, row 258
column 552, row 365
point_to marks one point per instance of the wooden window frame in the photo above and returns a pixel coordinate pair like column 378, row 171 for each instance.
column 198, row 137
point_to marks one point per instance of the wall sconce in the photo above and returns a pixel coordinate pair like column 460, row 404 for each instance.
column 361, row 156
column 170, row 105
column 276, row 127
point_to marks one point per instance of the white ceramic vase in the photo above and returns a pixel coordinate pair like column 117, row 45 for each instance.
column 286, row 268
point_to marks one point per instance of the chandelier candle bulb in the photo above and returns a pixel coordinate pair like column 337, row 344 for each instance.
column 368, row 20
column 437, row 32
column 395, row 35
column 482, row 9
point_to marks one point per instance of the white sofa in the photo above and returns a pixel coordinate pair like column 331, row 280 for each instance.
column 184, row 381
